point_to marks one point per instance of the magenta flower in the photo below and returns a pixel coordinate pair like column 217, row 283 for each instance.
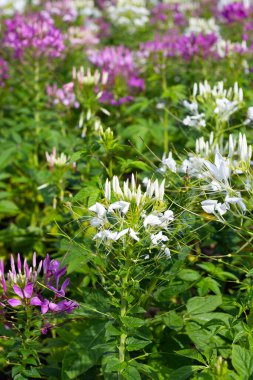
column 28, row 291
column 235, row 12
column 123, row 77
column 24, row 295
column 64, row 96
column 35, row 33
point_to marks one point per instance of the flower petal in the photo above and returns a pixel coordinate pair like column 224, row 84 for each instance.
column 18, row 291
column 28, row 290
column 14, row 302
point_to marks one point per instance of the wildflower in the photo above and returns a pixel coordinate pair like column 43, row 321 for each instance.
column 168, row 163
column 131, row 14
column 117, row 63
column 213, row 206
column 63, row 95
column 28, row 284
column 24, row 295
column 63, row 9
column 35, row 32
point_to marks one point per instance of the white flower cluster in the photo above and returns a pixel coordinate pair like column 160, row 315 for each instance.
column 131, row 14
column 130, row 212
column 201, row 25
column 224, row 102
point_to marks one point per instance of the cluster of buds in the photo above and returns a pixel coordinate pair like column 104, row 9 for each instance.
column 89, row 79
column 224, row 102
column 127, row 211
column 25, row 286
column 53, row 160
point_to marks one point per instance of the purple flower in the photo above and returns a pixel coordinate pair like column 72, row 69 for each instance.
column 63, row 9
column 234, row 12
column 28, row 290
column 123, row 80
column 24, row 295
column 165, row 13
column 64, row 95
column 35, row 33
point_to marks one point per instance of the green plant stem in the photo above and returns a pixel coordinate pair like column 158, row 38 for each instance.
column 123, row 312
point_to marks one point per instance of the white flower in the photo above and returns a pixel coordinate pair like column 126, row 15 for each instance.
column 236, row 201
column 158, row 238
column 212, row 206
column 225, row 108
column 129, row 231
column 99, row 209
column 122, row 206
column 161, row 219
column 166, row 251
column 105, row 235
column 168, row 163
column 202, row 25
column 219, row 171
column 152, row 220
column 196, row 121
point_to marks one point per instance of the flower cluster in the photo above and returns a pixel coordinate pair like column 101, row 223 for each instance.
column 167, row 15
column 63, row 9
column 222, row 102
column 235, row 11
column 123, row 79
column 131, row 14
column 64, row 95
column 81, row 36
column 128, row 214
column 35, row 33
column 174, row 44
column 25, row 286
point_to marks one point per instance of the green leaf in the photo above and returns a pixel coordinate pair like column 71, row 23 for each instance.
column 242, row 360
column 80, row 357
column 133, row 322
column 8, row 207
column 131, row 373
column 192, row 354
column 189, row 275
column 173, row 320
column 134, row 344
column 185, row 372
column 199, row 305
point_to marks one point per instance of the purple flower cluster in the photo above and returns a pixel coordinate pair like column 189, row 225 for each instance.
column 234, row 12
column 64, row 95
column 63, row 9
column 167, row 13
column 173, row 44
column 3, row 71
column 123, row 77
column 34, row 33
column 24, row 286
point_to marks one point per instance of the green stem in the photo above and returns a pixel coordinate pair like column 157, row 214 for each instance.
column 123, row 312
